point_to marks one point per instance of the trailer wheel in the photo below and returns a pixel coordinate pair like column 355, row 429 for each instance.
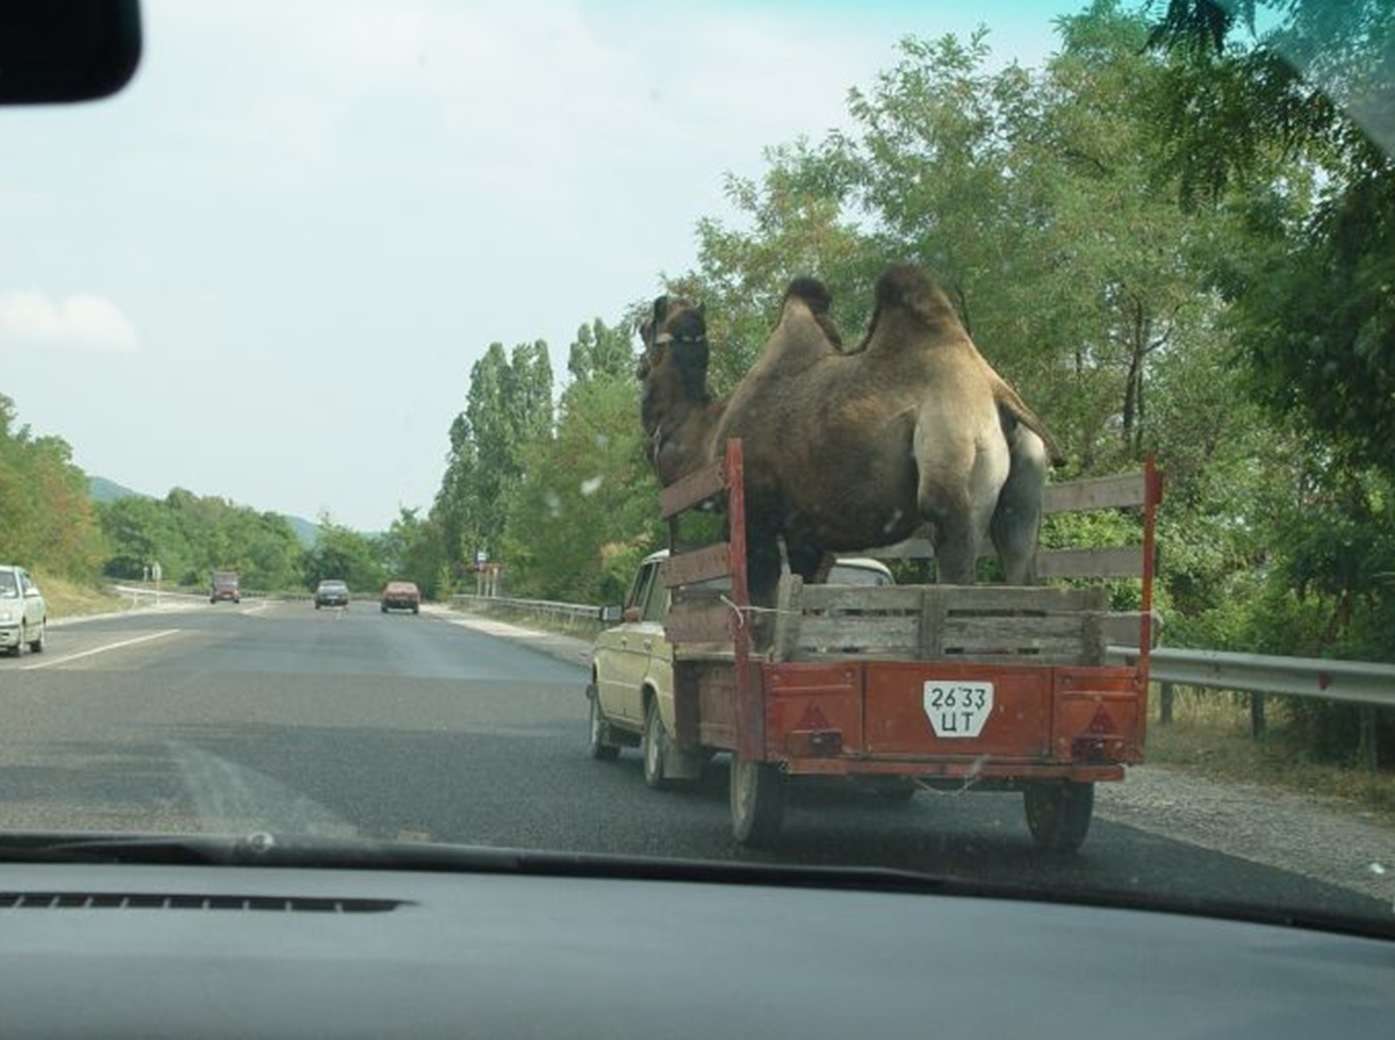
column 1058, row 814
column 602, row 747
column 757, row 802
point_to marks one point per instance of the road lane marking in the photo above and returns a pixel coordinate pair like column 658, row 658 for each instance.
column 255, row 610
column 101, row 649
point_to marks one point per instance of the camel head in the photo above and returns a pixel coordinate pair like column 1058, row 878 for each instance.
column 675, row 404
column 675, row 347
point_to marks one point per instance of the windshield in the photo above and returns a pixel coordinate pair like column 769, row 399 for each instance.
column 1076, row 316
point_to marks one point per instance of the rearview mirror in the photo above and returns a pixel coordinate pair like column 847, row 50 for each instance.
column 610, row 615
column 67, row 50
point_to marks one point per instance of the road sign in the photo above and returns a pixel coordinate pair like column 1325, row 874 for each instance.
column 481, row 558
column 155, row 572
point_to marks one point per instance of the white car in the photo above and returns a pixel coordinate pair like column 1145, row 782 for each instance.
column 23, row 613
column 631, row 691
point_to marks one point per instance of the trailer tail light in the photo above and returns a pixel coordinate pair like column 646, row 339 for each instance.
column 814, row 743
column 1100, row 742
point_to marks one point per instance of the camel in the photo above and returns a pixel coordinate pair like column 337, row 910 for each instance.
column 847, row 450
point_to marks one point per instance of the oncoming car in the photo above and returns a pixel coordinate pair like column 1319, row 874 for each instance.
column 23, row 613
column 331, row 593
column 401, row 595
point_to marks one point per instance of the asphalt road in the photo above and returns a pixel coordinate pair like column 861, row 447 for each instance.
column 278, row 717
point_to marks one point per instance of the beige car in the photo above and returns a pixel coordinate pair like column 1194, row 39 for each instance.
column 631, row 691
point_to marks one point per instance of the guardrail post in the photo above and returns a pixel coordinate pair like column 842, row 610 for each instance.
column 1165, row 704
column 1367, row 753
column 1256, row 715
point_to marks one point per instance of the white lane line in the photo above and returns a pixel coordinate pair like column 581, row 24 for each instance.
column 101, row 649
column 255, row 610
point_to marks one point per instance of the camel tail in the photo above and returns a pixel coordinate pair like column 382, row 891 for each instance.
column 1008, row 401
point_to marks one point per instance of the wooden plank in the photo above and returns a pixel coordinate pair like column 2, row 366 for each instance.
column 1125, row 562
column 712, row 561
column 905, row 598
column 788, row 600
column 701, row 596
column 696, row 487
column 693, row 624
column 900, row 634
column 930, row 639
column 1026, row 648
column 1124, row 490
column 1121, row 628
column 1013, row 631
column 1022, row 598
column 685, row 705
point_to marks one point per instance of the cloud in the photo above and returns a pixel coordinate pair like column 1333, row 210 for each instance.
column 80, row 322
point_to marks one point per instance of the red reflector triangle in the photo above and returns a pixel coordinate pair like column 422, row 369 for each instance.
column 813, row 718
column 1101, row 723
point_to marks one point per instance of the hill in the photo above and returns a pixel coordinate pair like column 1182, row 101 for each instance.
column 100, row 489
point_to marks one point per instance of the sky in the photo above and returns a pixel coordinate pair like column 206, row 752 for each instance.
column 264, row 269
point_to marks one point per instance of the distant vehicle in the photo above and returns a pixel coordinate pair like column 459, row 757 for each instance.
column 401, row 595
column 331, row 594
column 225, row 586
column 23, row 613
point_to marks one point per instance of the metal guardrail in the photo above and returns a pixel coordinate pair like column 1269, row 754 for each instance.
column 573, row 616
column 1354, row 682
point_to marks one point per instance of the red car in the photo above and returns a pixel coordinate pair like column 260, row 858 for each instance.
column 401, row 595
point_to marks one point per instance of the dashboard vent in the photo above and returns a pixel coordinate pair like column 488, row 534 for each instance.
column 155, row 901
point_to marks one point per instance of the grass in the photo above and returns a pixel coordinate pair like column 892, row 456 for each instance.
column 1210, row 736
column 66, row 598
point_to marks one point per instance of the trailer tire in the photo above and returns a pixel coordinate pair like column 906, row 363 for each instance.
column 602, row 746
column 1058, row 814
column 757, row 802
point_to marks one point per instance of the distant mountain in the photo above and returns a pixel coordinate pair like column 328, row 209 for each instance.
column 100, row 489
column 307, row 532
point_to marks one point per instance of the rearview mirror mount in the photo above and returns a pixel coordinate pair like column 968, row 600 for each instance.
column 67, row 50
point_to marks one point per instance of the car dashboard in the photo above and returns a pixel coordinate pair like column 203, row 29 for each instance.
column 118, row 950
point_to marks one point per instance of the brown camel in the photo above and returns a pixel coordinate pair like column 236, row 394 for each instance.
column 851, row 450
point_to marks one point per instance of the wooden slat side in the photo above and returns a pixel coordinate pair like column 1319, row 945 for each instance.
column 898, row 634
column 694, row 624
column 686, row 492
column 903, row 598
column 1066, row 657
column 1125, row 562
column 1020, row 598
column 930, row 640
column 789, row 595
column 1125, row 490
column 1027, row 649
column 962, row 631
column 712, row 561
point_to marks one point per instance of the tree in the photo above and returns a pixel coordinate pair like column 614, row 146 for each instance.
column 345, row 555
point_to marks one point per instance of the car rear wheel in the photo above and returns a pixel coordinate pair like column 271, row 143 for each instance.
column 36, row 646
column 602, row 747
column 384, row 608
column 416, row 609
column 655, row 745
column 1058, row 814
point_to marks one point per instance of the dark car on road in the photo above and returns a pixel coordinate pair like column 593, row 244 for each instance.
column 331, row 594
column 225, row 585
column 401, row 595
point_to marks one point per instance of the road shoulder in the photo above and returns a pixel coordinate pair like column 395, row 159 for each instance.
column 563, row 648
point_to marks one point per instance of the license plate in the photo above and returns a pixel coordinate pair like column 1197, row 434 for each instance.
column 958, row 709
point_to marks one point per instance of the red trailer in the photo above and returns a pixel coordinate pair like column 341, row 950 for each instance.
column 990, row 686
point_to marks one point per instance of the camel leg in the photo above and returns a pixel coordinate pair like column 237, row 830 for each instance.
column 1016, row 521
column 956, row 549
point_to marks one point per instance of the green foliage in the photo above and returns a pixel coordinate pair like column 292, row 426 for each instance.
column 584, row 512
column 46, row 519
column 345, row 555
column 190, row 537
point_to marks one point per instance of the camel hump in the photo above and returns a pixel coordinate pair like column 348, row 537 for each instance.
column 1013, row 405
column 907, row 287
column 812, row 292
